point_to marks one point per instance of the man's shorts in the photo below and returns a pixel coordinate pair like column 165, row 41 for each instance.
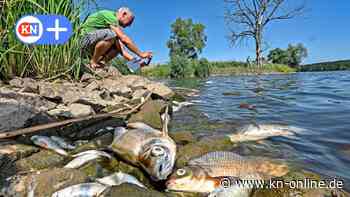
column 89, row 40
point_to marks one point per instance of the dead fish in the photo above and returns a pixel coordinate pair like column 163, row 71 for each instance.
column 253, row 132
column 149, row 148
column 118, row 179
column 84, row 157
column 178, row 105
column 62, row 143
column 196, row 179
column 206, row 173
column 48, row 143
column 223, row 163
column 81, row 190
column 247, row 106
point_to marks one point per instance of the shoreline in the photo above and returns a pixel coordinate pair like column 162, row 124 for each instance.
column 25, row 97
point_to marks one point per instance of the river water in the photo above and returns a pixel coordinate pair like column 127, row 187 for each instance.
column 318, row 102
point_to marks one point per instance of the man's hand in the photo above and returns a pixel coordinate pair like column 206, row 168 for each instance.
column 146, row 54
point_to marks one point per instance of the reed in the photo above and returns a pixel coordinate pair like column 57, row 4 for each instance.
column 18, row 59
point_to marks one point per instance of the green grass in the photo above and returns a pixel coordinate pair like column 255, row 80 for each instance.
column 236, row 68
column 222, row 68
column 17, row 59
column 157, row 71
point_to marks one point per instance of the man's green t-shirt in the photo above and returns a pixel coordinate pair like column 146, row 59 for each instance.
column 99, row 20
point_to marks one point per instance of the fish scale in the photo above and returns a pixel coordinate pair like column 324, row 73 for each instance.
column 222, row 163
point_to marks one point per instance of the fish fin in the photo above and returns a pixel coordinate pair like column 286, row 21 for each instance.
column 217, row 157
column 140, row 125
column 165, row 119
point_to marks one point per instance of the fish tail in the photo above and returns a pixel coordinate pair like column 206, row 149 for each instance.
column 61, row 152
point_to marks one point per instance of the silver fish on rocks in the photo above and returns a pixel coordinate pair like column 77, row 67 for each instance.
column 118, row 179
column 81, row 190
column 48, row 143
column 62, row 143
column 85, row 157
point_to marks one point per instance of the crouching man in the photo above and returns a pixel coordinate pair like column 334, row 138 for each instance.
column 103, row 37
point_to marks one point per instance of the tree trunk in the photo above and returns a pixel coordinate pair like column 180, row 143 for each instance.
column 258, row 50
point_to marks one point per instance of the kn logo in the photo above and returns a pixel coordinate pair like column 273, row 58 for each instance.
column 43, row 29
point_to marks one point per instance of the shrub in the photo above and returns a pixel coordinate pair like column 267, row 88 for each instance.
column 280, row 68
column 180, row 67
column 201, row 68
column 161, row 71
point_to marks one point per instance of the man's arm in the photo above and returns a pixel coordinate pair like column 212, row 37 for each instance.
column 129, row 43
column 124, row 52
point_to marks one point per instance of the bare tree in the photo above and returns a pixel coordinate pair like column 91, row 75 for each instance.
column 249, row 18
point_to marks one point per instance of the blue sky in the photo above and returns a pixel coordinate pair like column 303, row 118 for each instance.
column 324, row 29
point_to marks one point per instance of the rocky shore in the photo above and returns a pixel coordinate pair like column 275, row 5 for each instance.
column 25, row 102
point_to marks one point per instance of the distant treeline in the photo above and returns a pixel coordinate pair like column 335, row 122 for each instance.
column 204, row 68
column 326, row 66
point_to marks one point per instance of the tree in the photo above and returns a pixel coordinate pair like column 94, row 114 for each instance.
column 296, row 54
column 251, row 17
column 292, row 56
column 278, row 56
column 187, row 38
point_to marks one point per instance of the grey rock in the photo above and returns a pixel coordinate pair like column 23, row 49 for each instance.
column 150, row 114
column 74, row 110
column 26, row 84
column 95, row 100
column 33, row 100
column 87, row 77
column 160, row 89
column 94, row 85
column 18, row 110
column 80, row 110
column 67, row 93
column 116, row 87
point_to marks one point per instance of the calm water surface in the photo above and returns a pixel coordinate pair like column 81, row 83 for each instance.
column 316, row 102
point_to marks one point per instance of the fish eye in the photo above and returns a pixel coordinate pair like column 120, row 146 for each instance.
column 181, row 172
column 157, row 151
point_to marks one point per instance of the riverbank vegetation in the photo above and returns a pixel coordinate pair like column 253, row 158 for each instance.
column 326, row 66
column 218, row 68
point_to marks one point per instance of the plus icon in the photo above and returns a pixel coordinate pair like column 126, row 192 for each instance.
column 57, row 29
